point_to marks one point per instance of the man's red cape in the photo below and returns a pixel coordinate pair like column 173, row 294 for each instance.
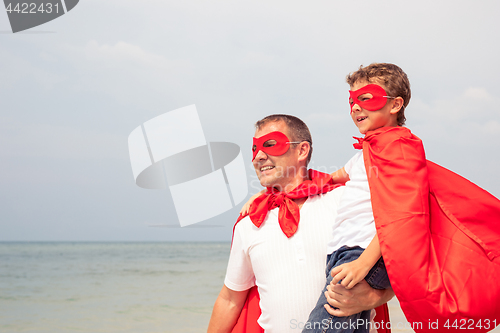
column 247, row 321
column 439, row 235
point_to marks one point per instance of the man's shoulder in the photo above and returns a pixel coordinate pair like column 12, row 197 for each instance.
column 243, row 219
column 331, row 198
column 245, row 225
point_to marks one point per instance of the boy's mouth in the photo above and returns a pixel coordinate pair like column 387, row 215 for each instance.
column 360, row 119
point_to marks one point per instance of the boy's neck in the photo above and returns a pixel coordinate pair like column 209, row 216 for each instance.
column 381, row 129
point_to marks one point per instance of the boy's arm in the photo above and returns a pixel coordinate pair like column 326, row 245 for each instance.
column 340, row 176
column 246, row 207
column 353, row 272
column 226, row 310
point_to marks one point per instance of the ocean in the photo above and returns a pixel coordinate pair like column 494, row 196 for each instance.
column 109, row 287
column 54, row 287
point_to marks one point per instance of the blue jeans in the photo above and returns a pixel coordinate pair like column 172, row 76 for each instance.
column 321, row 321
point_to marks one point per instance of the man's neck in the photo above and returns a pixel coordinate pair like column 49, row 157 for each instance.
column 300, row 202
column 292, row 184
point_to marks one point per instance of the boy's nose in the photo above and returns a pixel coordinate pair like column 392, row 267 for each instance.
column 355, row 108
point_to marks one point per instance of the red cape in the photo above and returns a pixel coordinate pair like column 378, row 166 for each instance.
column 439, row 235
column 247, row 321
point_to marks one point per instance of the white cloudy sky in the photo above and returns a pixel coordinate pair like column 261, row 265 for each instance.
column 73, row 89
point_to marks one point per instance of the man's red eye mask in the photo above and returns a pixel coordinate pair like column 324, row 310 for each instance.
column 376, row 102
column 278, row 145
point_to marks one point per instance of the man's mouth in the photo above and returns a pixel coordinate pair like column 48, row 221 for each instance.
column 267, row 167
column 360, row 119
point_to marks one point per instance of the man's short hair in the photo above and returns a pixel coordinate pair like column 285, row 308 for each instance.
column 393, row 78
column 297, row 128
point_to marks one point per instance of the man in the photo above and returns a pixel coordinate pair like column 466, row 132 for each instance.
column 271, row 250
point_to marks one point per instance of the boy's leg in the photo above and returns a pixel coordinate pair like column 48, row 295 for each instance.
column 377, row 277
column 320, row 321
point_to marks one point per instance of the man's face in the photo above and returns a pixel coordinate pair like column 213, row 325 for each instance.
column 367, row 120
column 276, row 171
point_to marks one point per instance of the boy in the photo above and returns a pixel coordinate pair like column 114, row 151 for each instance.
column 378, row 96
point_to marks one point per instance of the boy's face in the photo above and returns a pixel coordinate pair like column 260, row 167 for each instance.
column 367, row 120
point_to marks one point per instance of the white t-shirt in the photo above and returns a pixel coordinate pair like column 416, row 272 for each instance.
column 354, row 224
column 289, row 272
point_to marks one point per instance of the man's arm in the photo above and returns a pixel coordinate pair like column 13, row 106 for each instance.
column 360, row 298
column 226, row 310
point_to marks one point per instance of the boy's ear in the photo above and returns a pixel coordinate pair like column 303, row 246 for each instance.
column 398, row 104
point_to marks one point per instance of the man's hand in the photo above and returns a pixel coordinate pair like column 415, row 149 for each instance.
column 351, row 301
column 350, row 273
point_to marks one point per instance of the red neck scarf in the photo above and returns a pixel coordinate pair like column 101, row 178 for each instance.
column 359, row 144
column 289, row 212
column 370, row 135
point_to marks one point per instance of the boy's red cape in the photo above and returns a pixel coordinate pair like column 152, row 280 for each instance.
column 439, row 235
column 247, row 321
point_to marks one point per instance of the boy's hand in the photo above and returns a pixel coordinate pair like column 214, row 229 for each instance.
column 350, row 273
column 246, row 207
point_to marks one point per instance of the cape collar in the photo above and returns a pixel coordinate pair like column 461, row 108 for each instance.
column 375, row 137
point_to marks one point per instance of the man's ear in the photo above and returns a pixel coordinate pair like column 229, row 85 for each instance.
column 398, row 104
column 303, row 149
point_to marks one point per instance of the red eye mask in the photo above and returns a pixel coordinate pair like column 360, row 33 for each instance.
column 274, row 143
column 376, row 102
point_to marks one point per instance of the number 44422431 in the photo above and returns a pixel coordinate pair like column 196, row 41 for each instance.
column 33, row 8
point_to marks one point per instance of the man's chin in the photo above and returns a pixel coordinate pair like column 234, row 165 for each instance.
column 277, row 187
column 266, row 182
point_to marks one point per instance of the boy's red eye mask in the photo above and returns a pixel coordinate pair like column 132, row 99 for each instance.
column 274, row 143
column 375, row 102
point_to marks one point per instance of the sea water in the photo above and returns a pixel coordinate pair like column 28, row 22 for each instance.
column 109, row 287
column 116, row 287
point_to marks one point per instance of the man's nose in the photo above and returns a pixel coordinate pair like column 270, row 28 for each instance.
column 260, row 155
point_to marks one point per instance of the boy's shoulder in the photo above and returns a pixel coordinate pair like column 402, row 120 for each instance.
column 385, row 135
column 395, row 143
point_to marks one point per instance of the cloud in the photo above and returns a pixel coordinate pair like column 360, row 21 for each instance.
column 24, row 139
column 326, row 119
column 477, row 94
column 121, row 53
column 127, row 72
column 257, row 59
column 473, row 114
column 492, row 127
column 17, row 69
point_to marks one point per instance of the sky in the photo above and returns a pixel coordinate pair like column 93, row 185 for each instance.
column 73, row 89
